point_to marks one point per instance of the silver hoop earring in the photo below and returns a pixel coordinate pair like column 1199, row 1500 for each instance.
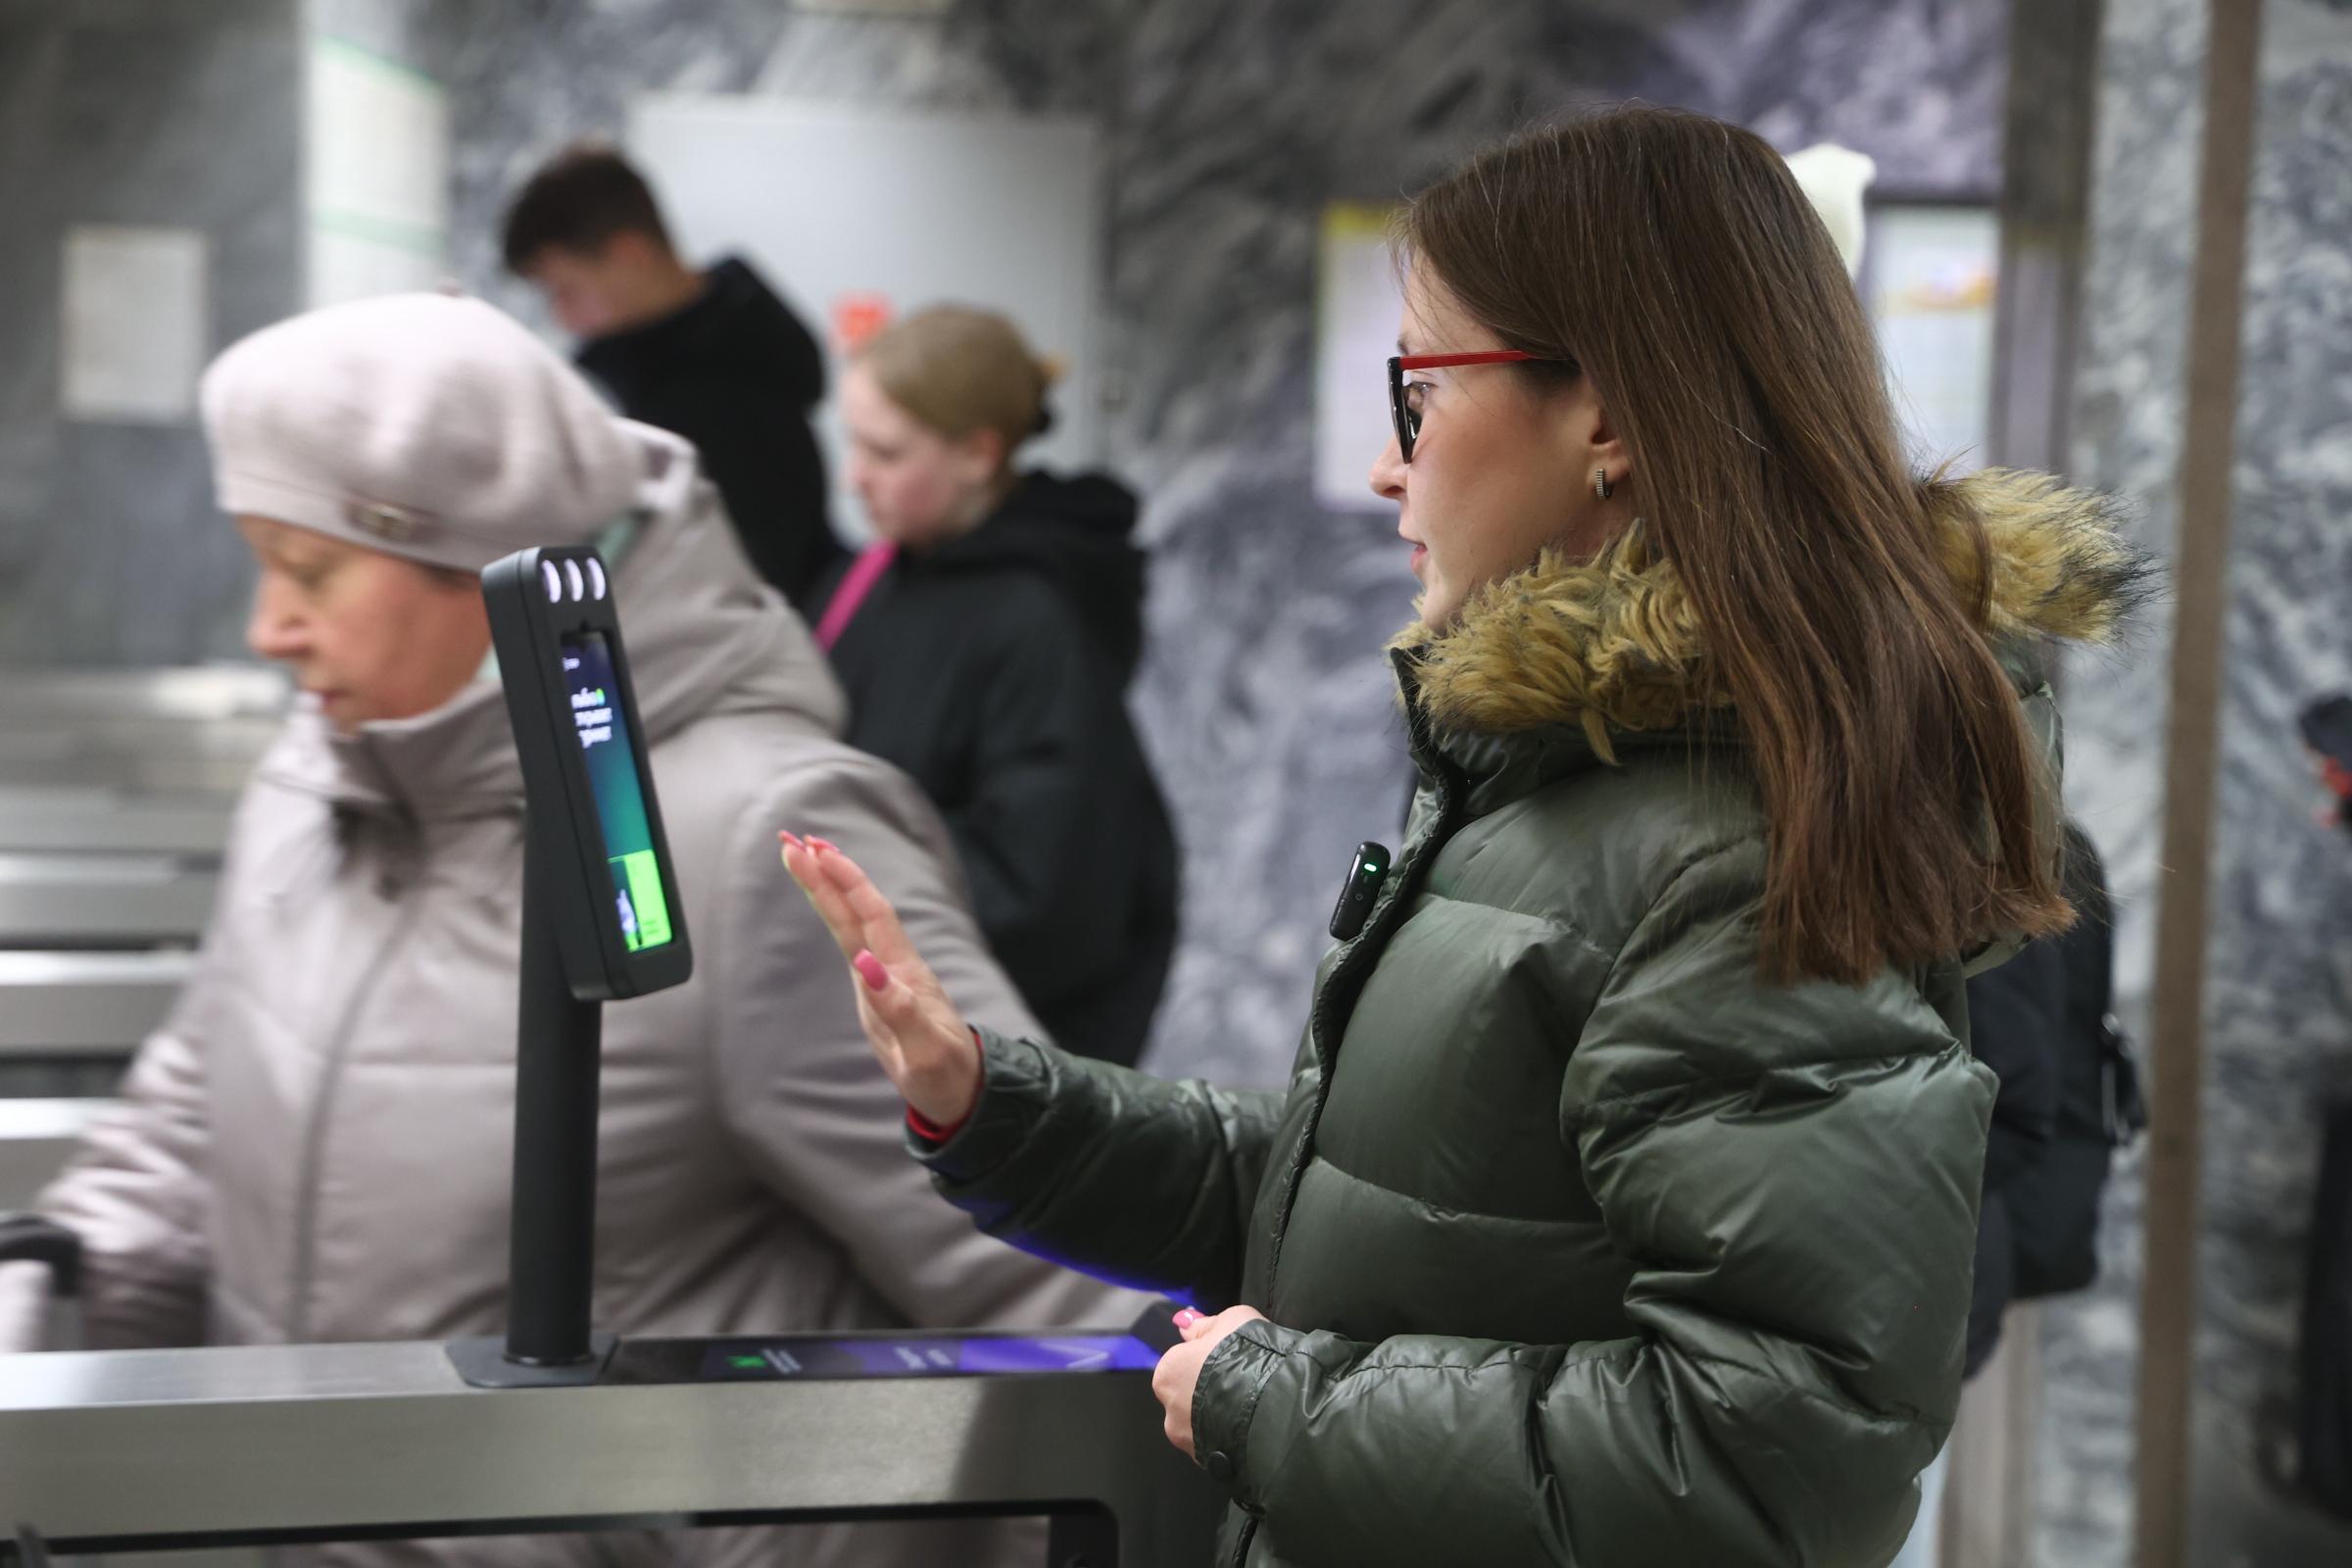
column 1600, row 483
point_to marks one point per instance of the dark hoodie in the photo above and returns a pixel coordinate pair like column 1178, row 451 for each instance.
column 736, row 373
column 994, row 669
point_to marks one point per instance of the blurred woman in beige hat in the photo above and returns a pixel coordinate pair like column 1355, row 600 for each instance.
column 316, row 1145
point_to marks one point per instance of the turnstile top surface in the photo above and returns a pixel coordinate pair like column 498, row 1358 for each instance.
column 47, row 1119
column 31, row 969
column 89, row 1379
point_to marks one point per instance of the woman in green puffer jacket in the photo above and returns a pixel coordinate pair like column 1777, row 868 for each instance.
column 1621, row 1205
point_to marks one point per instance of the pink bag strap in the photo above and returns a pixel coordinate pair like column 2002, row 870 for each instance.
column 857, row 582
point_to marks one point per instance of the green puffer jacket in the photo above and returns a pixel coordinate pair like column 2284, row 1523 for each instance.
column 1578, row 1243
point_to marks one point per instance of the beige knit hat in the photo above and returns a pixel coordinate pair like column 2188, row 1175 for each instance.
column 419, row 425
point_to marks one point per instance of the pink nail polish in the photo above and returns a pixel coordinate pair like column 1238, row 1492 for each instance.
column 822, row 844
column 869, row 969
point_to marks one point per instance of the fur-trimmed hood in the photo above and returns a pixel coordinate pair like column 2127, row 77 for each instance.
column 1614, row 644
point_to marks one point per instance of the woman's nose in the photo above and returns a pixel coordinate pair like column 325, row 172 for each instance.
column 1388, row 472
column 272, row 632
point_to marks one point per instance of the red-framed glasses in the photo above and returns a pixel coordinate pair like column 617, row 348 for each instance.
column 1405, row 402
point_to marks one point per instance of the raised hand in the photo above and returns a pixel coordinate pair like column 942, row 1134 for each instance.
column 922, row 1041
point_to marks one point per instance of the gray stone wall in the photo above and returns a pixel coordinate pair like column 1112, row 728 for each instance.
column 2278, row 1030
column 141, row 113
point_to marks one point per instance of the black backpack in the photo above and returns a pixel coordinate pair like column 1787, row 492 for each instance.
column 2054, row 1206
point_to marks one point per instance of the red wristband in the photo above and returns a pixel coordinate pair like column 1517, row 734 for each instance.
column 929, row 1131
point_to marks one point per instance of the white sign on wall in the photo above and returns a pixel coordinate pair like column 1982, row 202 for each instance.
column 1360, row 301
column 860, row 217
column 137, row 323
column 1928, row 278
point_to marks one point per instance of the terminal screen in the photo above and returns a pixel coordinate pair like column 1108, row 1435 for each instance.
column 611, row 753
column 805, row 1360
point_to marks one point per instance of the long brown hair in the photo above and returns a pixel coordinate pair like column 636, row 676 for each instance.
column 1674, row 260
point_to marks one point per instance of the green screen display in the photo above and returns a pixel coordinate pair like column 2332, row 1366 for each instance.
column 610, row 752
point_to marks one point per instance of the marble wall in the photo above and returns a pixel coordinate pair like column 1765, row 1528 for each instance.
column 2127, row 410
column 143, row 113
column 1268, row 695
column 2279, row 1008
column 1232, row 122
column 2279, row 1027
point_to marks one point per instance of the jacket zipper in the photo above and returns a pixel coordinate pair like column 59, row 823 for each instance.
column 1348, row 976
column 1323, row 1018
column 314, row 1142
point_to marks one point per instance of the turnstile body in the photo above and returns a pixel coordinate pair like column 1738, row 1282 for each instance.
column 168, row 1449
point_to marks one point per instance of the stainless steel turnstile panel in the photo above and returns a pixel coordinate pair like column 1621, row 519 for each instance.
column 55, row 1004
column 110, row 1451
column 188, row 694
column 149, row 734
column 36, row 1138
column 103, row 900
column 71, row 818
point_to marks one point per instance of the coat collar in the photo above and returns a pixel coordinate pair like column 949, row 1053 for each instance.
column 1567, row 664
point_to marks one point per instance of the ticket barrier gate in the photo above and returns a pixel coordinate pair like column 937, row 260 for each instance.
column 116, row 790
column 556, row 1427
column 127, row 1452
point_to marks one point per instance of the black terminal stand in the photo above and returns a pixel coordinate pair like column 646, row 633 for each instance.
column 553, row 1241
column 552, row 1235
column 601, row 919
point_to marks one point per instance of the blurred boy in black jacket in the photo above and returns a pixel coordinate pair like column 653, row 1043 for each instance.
column 712, row 356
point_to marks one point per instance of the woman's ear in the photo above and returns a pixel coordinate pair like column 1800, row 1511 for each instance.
column 1601, row 435
column 979, row 457
column 1600, row 504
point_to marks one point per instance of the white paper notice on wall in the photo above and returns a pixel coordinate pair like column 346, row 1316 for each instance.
column 1358, row 302
column 1930, row 273
column 137, row 323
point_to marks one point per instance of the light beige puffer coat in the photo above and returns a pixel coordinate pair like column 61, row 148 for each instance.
column 316, row 1145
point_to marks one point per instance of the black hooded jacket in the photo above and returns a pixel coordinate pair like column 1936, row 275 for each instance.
column 736, row 373
column 993, row 668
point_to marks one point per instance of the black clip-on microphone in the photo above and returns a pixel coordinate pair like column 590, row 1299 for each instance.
column 1365, row 873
